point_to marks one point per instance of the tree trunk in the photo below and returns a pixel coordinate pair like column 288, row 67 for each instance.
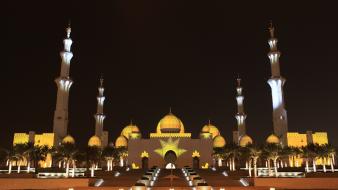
column 269, row 168
column 314, row 165
column 307, row 165
column 275, row 166
column 19, row 166
column 108, row 167
column 324, row 165
column 250, row 168
column 28, row 166
column 219, row 162
column 255, row 167
column 233, row 164
column 92, row 170
column 121, row 161
column 10, row 167
column 67, row 168
column 74, row 166
column 331, row 163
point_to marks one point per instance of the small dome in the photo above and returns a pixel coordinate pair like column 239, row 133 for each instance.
column 209, row 128
column 94, row 141
column 129, row 129
column 170, row 124
column 121, row 141
column 272, row 139
column 219, row 142
column 68, row 139
column 245, row 140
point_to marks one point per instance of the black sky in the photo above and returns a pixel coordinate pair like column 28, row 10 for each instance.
column 157, row 54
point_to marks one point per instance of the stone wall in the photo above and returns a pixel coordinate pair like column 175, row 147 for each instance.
column 22, row 183
column 297, row 183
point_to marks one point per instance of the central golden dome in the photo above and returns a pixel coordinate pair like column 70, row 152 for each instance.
column 129, row 129
column 219, row 142
column 209, row 128
column 94, row 141
column 170, row 124
column 245, row 140
column 68, row 139
column 272, row 139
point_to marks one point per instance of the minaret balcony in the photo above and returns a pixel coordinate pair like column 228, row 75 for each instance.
column 67, row 44
column 100, row 100
column 64, row 83
column 66, row 56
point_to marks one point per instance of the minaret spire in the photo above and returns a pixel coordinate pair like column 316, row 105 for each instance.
column 276, row 83
column 64, row 82
column 99, row 116
column 240, row 116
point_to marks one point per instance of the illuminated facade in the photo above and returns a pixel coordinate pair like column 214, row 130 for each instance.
column 276, row 82
column 299, row 140
column 170, row 144
column 240, row 116
column 44, row 139
column 64, row 82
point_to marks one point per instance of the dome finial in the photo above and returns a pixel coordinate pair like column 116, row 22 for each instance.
column 69, row 29
column 170, row 110
column 238, row 80
column 209, row 122
column 101, row 80
column 271, row 29
column 131, row 121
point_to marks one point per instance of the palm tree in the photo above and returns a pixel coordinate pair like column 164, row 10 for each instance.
column 331, row 153
column 109, row 153
column 67, row 152
column 218, row 154
column 19, row 150
column 306, row 155
column 254, row 152
column 272, row 152
column 93, row 157
column 11, row 157
column 323, row 154
column 313, row 148
column 232, row 152
column 122, row 152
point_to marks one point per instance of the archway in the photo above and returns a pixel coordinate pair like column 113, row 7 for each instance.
column 196, row 162
column 145, row 161
column 170, row 157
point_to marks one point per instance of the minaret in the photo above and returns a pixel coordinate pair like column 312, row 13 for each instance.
column 276, row 83
column 240, row 116
column 64, row 83
column 99, row 116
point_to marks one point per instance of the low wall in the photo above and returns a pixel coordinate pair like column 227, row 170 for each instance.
column 297, row 183
column 22, row 183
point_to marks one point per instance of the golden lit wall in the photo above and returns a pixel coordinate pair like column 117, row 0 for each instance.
column 320, row 138
column 20, row 138
column 44, row 139
column 39, row 140
column 296, row 139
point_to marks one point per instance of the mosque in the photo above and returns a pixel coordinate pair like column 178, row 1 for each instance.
column 170, row 145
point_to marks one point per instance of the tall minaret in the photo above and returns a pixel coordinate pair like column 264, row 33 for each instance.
column 99, row 116
column 276, row 82
column 64, row 83
column 240, row 116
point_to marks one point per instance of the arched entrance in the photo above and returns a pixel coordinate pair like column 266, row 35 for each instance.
column 196, row 162
column 145, row 161
column 170, row 157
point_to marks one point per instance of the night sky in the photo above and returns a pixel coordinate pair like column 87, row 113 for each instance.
column 159, row 54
